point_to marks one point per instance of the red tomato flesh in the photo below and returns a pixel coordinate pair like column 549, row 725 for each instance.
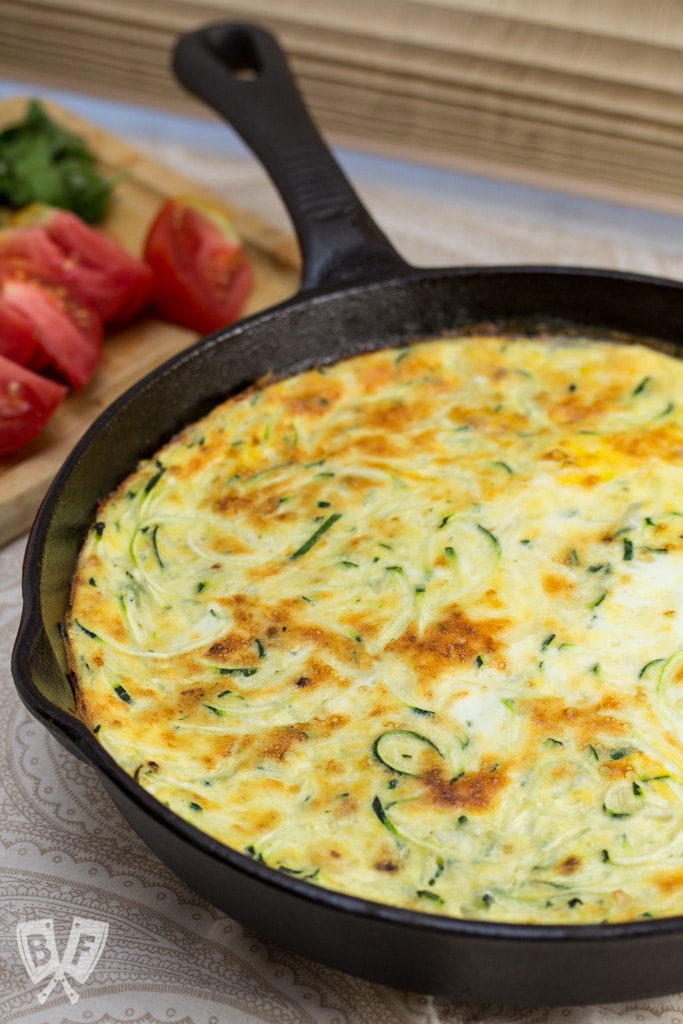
column 202, row 276
column 27, row 401
column 67, row 333
column 95, row 268
column 18, row 339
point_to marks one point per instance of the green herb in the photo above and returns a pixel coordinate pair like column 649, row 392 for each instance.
column 639, row 388
column 214, row 711
column 88, row 632
column 439, row 868
column 382, row 815
column 619, row 753
column 237, row 671
column 487, row 533
column 155, row 546
column 615, row 814
column 154, row 480
column 306, row 873
column 252, row 852
column 650, row 664
column 315, row 537
column 42, row 162
column 123, row 694
column 425, row 894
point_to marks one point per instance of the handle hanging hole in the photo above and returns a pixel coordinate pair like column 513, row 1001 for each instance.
column 237, row 52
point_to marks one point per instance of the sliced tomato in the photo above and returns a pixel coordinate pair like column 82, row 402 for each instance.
column 27, row 401
column 67, row 332
column 202, row 276
column 18, row 338
column 95, row 268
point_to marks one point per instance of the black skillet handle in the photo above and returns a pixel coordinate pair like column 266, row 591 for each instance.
column 241, row 71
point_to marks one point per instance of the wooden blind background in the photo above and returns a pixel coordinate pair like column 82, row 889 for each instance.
column 578, row 94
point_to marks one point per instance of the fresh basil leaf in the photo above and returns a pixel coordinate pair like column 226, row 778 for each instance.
column 40, row 161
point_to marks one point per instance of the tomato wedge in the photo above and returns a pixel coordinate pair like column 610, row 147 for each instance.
column 202, row 276
column 18, row 339
column 95, row 268
column 65, row 332
column 27, row 401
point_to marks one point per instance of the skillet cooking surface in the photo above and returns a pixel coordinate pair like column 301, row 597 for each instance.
column 357, row 295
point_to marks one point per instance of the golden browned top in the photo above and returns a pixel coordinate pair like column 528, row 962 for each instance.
column 409, row 627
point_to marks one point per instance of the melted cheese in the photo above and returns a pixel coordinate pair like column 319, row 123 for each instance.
column 411, row 627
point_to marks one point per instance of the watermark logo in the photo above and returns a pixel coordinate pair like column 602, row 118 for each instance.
column 38, row 949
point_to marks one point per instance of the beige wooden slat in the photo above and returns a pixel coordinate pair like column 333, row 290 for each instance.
column 559, row 88
column 614, row 167
column 431, row 66
column 649, row 21
column 484, row 125
column 153, row 28
column 389, row 22
column 83, row 53
column 422, row 98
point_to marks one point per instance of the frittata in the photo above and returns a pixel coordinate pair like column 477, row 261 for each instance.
column 410, row 627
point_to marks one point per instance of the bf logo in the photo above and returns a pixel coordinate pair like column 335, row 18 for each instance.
column 38, row 949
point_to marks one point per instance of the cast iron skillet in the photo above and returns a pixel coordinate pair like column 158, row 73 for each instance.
column 357, row 295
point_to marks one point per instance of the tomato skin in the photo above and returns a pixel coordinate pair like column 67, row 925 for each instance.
column 67, row 332
column 27, row 401
column 202, row 276
column 95, row 268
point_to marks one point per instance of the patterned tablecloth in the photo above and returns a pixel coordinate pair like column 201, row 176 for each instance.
column 66, row 854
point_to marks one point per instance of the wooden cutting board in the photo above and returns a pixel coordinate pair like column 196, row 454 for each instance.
column 130, row 353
